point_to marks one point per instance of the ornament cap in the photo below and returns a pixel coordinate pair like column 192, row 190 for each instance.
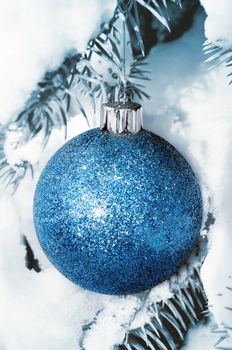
column 119, row 117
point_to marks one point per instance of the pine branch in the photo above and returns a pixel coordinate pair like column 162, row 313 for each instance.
column 78, row 78
column 218, row 56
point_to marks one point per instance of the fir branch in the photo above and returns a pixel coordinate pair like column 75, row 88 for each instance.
column 45, row 108
column 223, row 330
column 50, row 104
column 11, row 176
column 218, row 56
column 158, row 8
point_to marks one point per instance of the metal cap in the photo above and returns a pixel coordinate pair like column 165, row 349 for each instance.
column 118, row 117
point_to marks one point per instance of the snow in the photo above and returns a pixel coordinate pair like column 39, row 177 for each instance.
column 34, row 37
column 198, row 337
column 191, row 107
column 218, row 25
column 217, row 270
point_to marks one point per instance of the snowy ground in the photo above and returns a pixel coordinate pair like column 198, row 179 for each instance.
column 190, row 107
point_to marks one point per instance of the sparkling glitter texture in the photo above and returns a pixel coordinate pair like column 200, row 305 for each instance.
column 117, row 214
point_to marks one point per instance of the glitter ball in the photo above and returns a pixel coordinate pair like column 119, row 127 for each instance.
column 117, row 213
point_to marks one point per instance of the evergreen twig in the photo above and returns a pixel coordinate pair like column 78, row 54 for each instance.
column 217, row 56
column 50, row 104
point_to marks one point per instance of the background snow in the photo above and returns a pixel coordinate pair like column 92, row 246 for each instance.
column 190, row 107
column 34, row 37
column 218, row 25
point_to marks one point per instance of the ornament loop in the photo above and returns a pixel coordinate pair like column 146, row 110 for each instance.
column 119, row 117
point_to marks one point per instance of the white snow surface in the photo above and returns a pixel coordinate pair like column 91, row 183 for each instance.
column 218, row 25
column 35, row 36
column 190, row 107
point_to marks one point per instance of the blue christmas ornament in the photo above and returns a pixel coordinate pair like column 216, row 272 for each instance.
column 118, row 210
